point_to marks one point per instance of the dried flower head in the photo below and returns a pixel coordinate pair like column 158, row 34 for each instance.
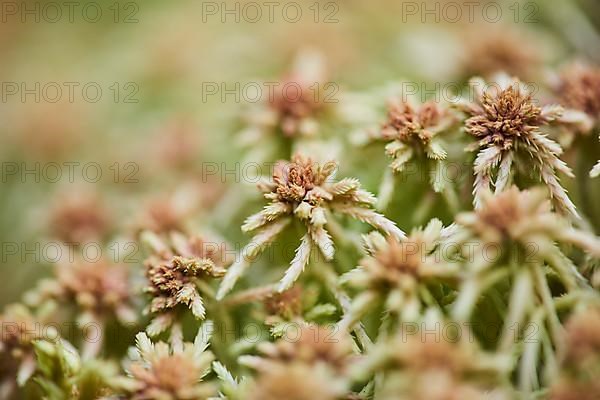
column 287, row 304
column 79, row 217
column 393, row 262
column 507, row 125
column 174, row 272
column 158, row 371
column 305, row 190
column 414, row 128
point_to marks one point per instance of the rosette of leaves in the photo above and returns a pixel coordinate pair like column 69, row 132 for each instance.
column 157, row 371
column 304, row 191
column 311, row 363
column 513, row 245
column 179, row 273
column 414, row 135
column 509, row 128
column 406, row 276
column 433, row 359
column 99, row 291
column 295, row 109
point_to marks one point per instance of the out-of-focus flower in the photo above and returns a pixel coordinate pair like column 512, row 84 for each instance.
column 313, row 361
column 304, row 190
column 20, row 328
column 489, row 50
column 79, row 217
column 175, row 271
column 507, row 125
column 169, row 213
column 50, row 130
column 399, row 273
column 297, row 382
column 159, row 371
column 578, row 88
column 413, row 359
column 525, row 230
column 309, row 344
column 524, row 217
column 580, row 364
column 100, row 291
column 177, row 144
column 582, row 347
column 294, row 106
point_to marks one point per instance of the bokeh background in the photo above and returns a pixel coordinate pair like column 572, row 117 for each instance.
column 155, row 125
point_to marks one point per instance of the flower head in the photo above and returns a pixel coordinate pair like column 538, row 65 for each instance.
column 507, row 125
column 490, row 50
column 398, row 272
column 296, row 382
column 579, row 88
column 315, row 356
column 79, row 217
column 305, row 190
column 580, row 364
column 167, row 214
column 20, row 329
column 412, row 361
column 311, row 345
column 157, row 371
column 413, row 131
column 526, row 217
column 394, row 262
column 582, row 333
column 294, row 108
column 287, row 304
column 100, row 289
column 522, row 225
column 173, row 272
